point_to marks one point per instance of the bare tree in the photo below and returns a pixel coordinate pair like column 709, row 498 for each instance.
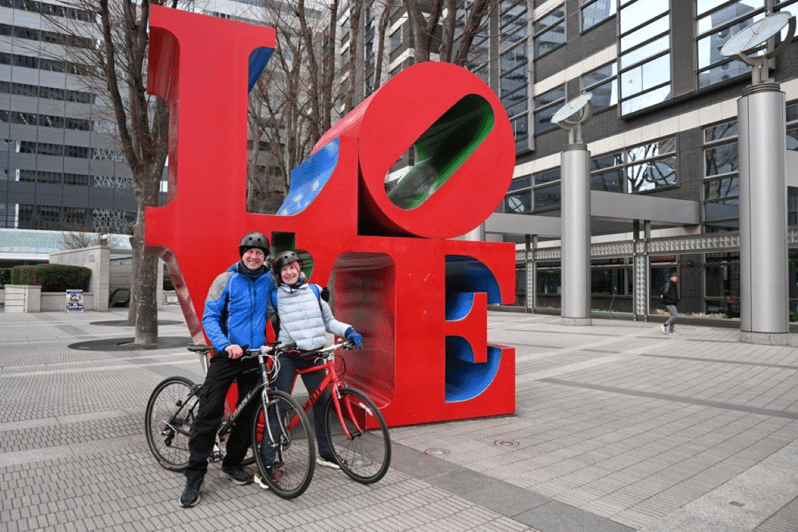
column 306, row 87
column 116, row 68
column 435, row 30
column 382, row 28
column 77, row 236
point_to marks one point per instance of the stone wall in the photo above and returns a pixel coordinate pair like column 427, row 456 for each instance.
column 97, row 259
column 106, row 273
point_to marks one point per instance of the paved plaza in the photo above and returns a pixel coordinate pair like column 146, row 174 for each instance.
column 617, row 428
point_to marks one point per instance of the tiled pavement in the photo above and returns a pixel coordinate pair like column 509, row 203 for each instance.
column 617, row 428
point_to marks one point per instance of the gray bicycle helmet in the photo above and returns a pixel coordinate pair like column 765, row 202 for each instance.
column 254, row 240
column 283, row 258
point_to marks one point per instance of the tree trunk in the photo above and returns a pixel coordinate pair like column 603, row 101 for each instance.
column 144, row 307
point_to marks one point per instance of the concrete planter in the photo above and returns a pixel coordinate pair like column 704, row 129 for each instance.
column 23, row 298
column 56, row 301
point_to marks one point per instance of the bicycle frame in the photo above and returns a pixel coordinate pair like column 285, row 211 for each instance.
column 244, row 402
column 262, row 388
column 332, row 382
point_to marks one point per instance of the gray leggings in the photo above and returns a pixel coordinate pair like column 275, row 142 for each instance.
column 674, row 314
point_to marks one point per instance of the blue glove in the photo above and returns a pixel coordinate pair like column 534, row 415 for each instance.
column 352, row 334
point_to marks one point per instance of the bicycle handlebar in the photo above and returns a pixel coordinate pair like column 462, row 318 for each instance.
column 325, row 352
column 274, row 348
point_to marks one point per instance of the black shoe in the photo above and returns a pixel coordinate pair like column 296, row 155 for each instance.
column 236, row 474
column 191, row 495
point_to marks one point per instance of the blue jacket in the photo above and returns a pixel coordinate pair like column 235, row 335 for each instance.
column 235, row 309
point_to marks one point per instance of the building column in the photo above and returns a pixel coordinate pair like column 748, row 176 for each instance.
column 640, row 271
column 575, row 301
column 764, row 300
column 530, row 246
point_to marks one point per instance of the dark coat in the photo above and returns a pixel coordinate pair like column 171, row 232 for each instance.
column 670, row 296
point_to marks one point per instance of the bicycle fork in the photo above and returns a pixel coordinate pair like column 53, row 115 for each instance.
column 346, row 411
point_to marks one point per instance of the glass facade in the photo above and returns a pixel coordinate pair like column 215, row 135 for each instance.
column 550, row 31
column 594, row 12
column 644, row 60
column 545, row 107
column 603, row 85
column 514, row 74
column 62, row 168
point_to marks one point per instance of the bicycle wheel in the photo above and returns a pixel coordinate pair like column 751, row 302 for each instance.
column 168, row 419
column 362, row 446
column 287, row 442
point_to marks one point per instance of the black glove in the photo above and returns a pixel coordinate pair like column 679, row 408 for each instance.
column 325, row 294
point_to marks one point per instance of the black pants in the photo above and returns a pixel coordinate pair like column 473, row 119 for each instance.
column 212, row 396
column 285, row 380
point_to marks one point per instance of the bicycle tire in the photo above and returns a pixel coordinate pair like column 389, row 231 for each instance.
column 364, row 455
column 167, row 421
column 295, row 449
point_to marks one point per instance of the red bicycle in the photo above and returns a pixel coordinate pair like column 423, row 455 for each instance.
column 355, row 427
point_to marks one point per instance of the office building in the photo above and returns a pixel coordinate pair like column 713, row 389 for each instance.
column 61, row 167
column 664, row 125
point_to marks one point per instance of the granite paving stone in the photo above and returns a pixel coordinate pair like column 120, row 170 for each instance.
column 616, row 428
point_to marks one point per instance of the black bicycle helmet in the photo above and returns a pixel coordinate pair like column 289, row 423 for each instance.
column 283, row 258
column 254, row 240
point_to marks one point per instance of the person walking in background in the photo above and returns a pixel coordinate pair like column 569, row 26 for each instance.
column 670, row 297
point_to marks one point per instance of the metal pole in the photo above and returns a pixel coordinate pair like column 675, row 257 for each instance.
column 764, row 299
column 576, row 235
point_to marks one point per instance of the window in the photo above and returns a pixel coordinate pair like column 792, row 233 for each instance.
column 549, row 274
column 546, row 190
column 545, row 107
column 514, row 76
column 722, row 283
column 792, row 127
column 519, row 196
column 595, row 12
column 550, row 31
column 717, row 22
column 606, row 173
column 792, row 144
column 602, row 84
column 721, row 178
column 645, row 59
column 651, row 166
column 611, row 277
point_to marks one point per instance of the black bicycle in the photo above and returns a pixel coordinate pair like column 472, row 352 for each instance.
column 174, row 403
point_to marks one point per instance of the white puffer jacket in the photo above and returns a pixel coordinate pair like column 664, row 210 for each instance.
column 304, row 318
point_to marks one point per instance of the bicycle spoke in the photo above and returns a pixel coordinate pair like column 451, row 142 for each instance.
column 169, row 415
column 289, row 451
column 361, row 444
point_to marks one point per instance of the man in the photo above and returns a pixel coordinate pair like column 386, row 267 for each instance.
column 234, row 315
column 670, row 297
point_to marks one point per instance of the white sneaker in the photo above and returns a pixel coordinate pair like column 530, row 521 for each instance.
column 664, row 329
column 675, row 333
column 275, row 476
column 327, row 462
column 259, row 481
